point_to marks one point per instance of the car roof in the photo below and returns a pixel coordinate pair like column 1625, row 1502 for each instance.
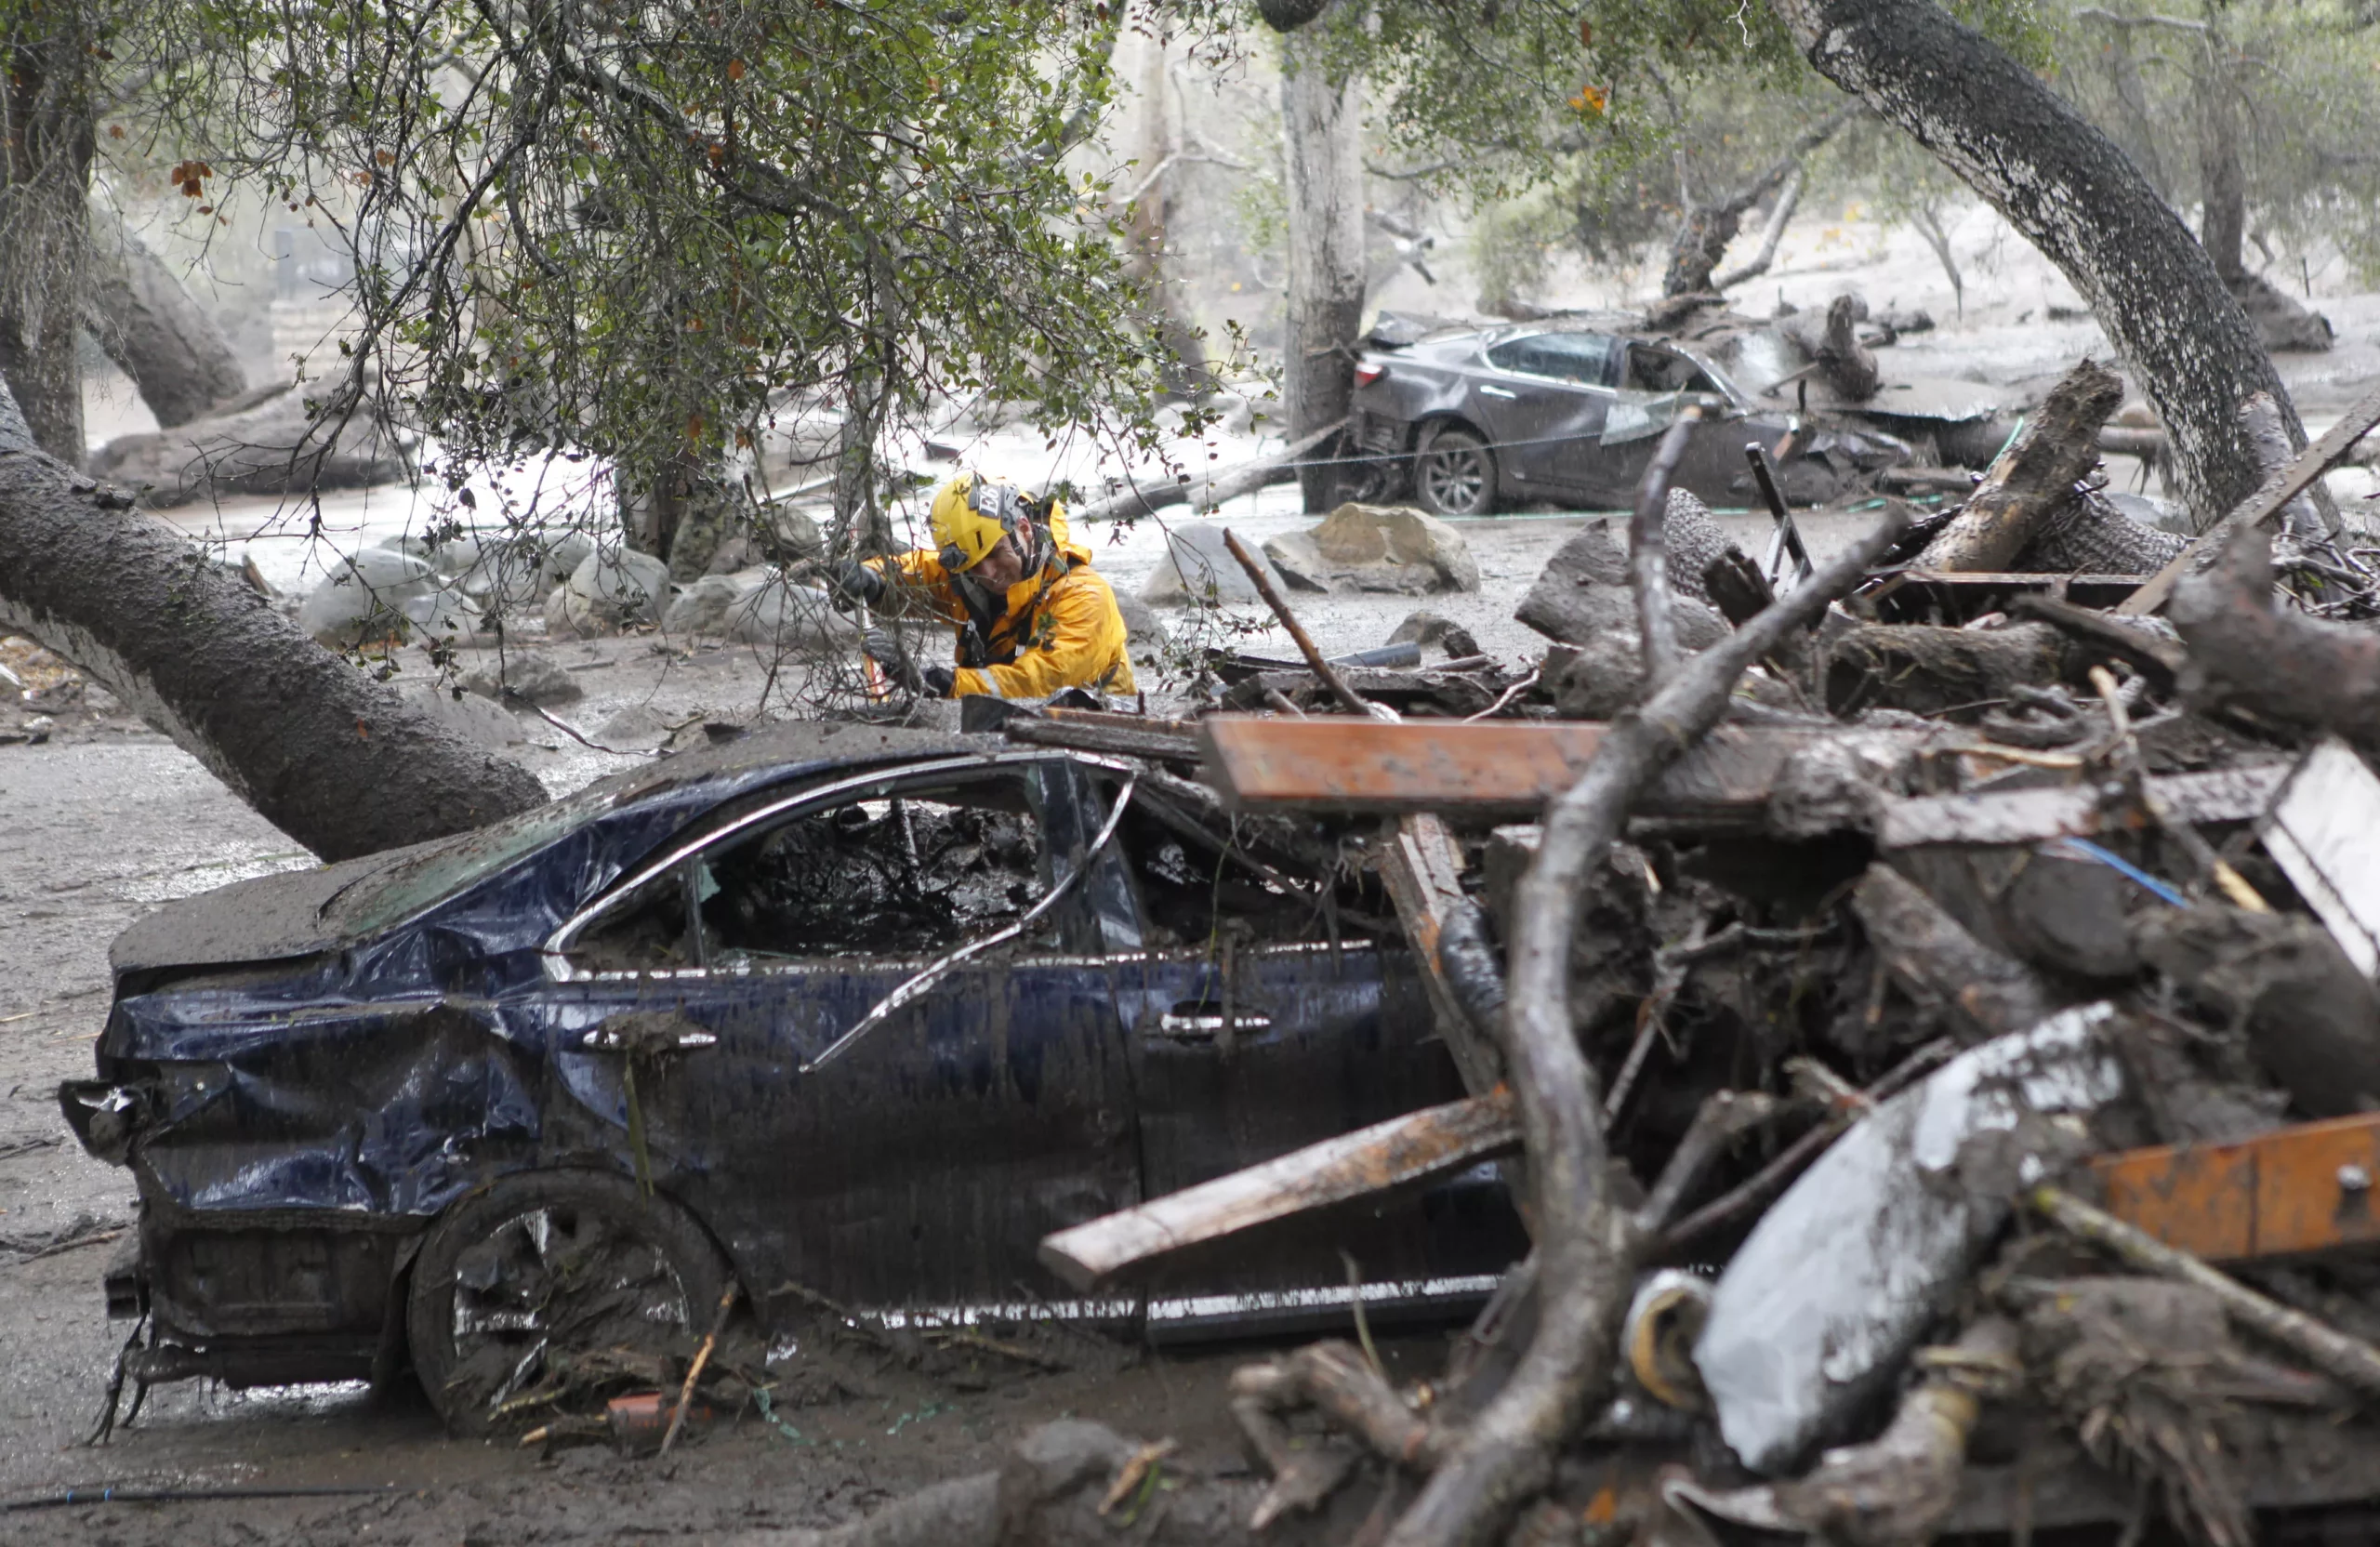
column 295, row 913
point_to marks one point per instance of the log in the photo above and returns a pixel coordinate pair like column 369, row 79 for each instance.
column 1390, row 1153
column 2153, row 655
column 268, row 447
column 153, row 328
column 1932, row 671
column 1129, row 736
column 1421, row 866
column 2038, row 815
column 2284, row 667
column 334, row 759
column 1208, row 490
column 1832, row 343
column 1934, row 957
column 2037, row 472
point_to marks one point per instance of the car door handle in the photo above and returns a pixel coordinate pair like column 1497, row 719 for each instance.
column 1497, row 393
column 644, row 1033
column 1204, row 1022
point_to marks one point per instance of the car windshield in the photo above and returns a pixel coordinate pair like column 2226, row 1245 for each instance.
column 440, row 870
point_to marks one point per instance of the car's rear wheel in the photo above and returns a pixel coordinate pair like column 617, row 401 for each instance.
column 1454, row 474
column 540, row 1265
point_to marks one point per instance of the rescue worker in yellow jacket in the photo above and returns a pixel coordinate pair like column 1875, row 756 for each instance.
column 1030, row 614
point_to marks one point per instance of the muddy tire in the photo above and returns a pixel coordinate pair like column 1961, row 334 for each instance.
column 544, row 1263
column 1454, row 474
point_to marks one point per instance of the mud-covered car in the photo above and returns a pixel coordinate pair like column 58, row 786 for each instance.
column 1469, row 419
column 842, row 1012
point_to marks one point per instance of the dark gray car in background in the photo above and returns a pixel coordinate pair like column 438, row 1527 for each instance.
column 1471, row 419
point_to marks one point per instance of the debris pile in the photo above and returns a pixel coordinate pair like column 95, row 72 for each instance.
column 1924, row 1003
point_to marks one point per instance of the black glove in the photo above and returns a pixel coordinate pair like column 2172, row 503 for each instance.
column 938, row 681
column 855, row 584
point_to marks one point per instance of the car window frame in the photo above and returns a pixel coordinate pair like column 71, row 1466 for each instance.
column 879, row 783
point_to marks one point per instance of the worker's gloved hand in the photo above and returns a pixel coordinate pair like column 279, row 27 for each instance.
column 883, row 647
column 856, row 585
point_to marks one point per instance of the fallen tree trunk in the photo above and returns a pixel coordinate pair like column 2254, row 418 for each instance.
column 2037, row 474
column 155, row 329
column 2286, row 668
column 1210, row 489
column 1831, row 342
column 1929, row 669
column 2078, row 199
column 268, row 447
column 1586, row 1246
column 334, row 760
column 1934, row 957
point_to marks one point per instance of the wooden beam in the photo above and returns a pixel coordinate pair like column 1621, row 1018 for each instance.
column 1421, row 866
column 2037, row 815
column 1390, row 1153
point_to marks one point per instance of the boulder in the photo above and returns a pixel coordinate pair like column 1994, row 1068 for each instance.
column 1427, row 627
column 466, row 714
column 702, row 608
column 1199, row 568
column 1145, row 637
column 367, row 597
column 531, row 677
column 608, row 591
column 1299, row 561
column 797, row 619
column 794, row 531
column 520, row 573
column 1377, row 548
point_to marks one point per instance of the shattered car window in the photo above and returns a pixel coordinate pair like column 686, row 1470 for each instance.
column 903, row 877
column 914, row 874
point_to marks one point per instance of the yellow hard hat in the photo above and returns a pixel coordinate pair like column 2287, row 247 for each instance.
column 971, row 516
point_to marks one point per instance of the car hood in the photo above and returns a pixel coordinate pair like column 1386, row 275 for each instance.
column 263, row 918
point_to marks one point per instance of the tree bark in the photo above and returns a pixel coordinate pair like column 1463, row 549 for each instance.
column 1152, row 148
column 2079, row 200
column 2034, row 475
column 334, row 760
column 1321, row 120
column 155, row 329
column 46, row 142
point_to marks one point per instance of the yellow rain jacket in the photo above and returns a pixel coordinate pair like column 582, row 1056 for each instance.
column 1060, row 628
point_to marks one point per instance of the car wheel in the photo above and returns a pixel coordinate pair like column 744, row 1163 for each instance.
column 1454, row 474
column 543, row 1263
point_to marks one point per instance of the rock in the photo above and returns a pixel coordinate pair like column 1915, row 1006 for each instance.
column 736, row 551
column 531, row 677
column 1145, row 637
column 366, row 598
column 779, row 616
column 1428, row 628
column 466, row 714
column 610, row 590
column 702, row 608
column 1199, row 569
column 1378, row 549
column 796, row 533
column 520, row 573
column 1583, row 597
column 639, row 723
column 1299, row 561
column 444, row 613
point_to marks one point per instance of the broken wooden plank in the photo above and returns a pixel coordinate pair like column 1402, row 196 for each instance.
column 2037, row 815
column 1093, row 731
column 1421, row 866
column 2035, row 474
column 2307, row 1187
column 1410, row 1148
column 2262, row 506
column 2324, row 833
column 1492, row 768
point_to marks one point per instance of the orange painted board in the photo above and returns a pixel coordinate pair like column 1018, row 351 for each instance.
column 2298, row 1189
column 1332, row 762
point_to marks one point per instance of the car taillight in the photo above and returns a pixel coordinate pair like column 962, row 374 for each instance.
column 1367, row 374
